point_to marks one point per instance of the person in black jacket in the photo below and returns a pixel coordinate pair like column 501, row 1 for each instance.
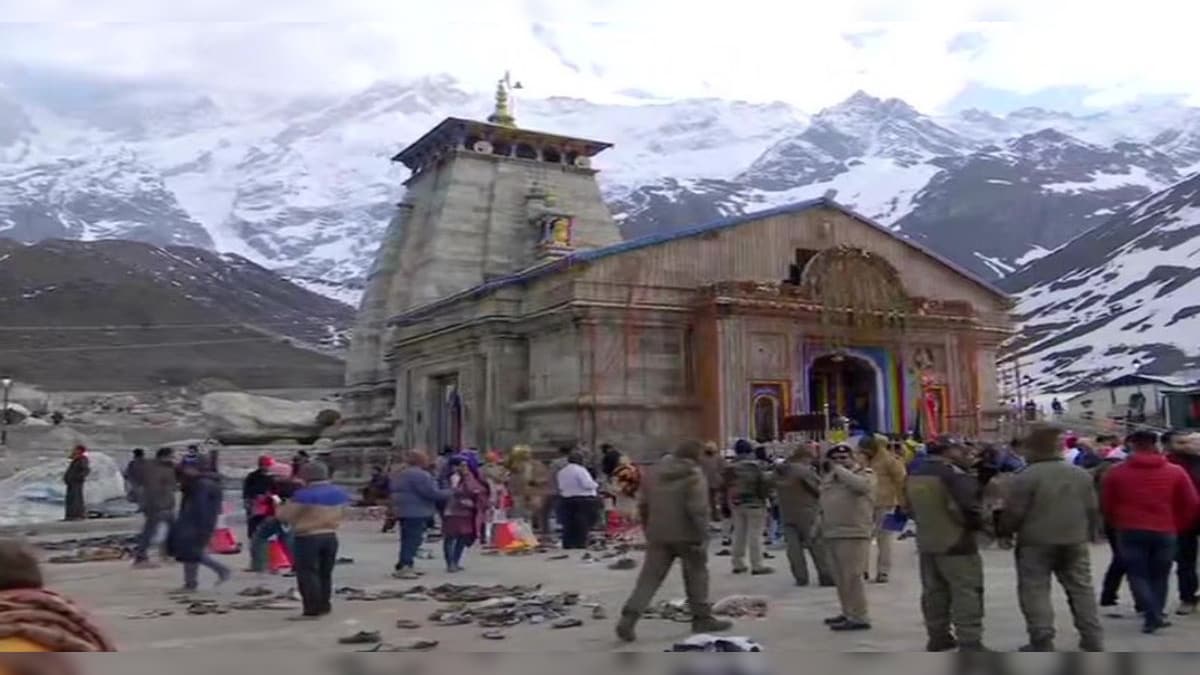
column 74, row 478
column 258, row 482
column 193, row 530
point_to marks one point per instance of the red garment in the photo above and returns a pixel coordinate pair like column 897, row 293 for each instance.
column 1146, row 492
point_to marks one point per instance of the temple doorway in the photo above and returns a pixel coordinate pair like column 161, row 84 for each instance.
column 849, row 385
column 447, row 415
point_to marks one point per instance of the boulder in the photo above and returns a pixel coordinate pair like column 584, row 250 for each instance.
column 16, row 413
column 238, row 418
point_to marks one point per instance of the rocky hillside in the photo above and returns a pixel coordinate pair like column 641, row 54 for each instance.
column 304, row 186
column 122, row 315
column 1122, row 297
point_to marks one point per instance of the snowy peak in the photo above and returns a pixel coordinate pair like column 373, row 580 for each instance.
column 1120, row 298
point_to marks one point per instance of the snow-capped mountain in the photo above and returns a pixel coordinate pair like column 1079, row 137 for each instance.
column 304, row 186
column 1122, row 297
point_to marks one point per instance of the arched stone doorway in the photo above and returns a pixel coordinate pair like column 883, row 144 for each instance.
column 850, row 385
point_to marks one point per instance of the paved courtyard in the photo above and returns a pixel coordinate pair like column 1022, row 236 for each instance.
column 116, row 594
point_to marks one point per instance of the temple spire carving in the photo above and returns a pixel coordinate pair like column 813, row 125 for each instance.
column 502, row 114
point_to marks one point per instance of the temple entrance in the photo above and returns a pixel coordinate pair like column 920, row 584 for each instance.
column 849, row 385
column 447, row 418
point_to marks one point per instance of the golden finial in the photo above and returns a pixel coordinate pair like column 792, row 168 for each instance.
column 502, row 115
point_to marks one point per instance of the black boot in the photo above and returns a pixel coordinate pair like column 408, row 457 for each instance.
column 941, row 644
column 625, row 627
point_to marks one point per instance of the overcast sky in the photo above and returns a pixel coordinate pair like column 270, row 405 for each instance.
column 936, row 54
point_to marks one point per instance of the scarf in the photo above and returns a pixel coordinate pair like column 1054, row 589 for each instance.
column 50, row 620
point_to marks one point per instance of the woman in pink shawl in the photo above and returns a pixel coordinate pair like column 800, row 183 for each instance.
column 464, row 512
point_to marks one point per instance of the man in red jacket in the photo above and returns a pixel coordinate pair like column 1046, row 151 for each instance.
column 1150, row 502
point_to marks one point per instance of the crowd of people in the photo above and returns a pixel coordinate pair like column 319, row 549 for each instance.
column 1047, row 497
column 295, row 504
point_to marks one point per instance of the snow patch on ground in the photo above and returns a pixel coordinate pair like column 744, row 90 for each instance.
column 1032, row 254
column 1107, row 181
column 332, row 290
column 997, row 265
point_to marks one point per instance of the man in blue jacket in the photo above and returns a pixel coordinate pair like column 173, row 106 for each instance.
column 416, row 498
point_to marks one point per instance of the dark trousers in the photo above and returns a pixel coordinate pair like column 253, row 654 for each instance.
column 1185, row 567
column 453, row 549
column 76, row 509
column 412, row 535
column 1116, row 569
column 1148, row 557
column 577, row 515
column 149, row 529
column 316, row 555
column 252, row 523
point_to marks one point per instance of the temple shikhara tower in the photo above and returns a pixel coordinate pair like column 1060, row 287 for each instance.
column 503, row 307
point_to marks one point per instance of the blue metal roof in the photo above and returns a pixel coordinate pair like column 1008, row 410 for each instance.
column 590, row 255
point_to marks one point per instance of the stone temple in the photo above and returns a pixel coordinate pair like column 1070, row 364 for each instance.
column 504, row 307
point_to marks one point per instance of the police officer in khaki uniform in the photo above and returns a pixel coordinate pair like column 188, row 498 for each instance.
column 674, row 514
column 944, row 500
column 847, row 520
column 1053, row 510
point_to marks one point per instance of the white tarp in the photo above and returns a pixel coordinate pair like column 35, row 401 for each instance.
column 37, row 494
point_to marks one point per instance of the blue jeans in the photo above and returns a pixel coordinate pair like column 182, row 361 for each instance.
column 268, row 528
column 412, row 535
column 191, row 570
column 453, row 549
column 1148, row 558
column 149, row 529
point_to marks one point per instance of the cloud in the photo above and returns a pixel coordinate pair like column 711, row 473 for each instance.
column 860, row 40
column 546, row 37
column 966, row 42
column 808, row 54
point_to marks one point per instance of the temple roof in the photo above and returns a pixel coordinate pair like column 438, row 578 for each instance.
column 588, row 255
column 452, row 129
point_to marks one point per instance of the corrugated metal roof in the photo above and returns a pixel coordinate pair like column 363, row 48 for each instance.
column 590, row 255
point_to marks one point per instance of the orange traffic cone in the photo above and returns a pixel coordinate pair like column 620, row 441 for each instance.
column 504, row 535
column 278, row 559
column 224, row 541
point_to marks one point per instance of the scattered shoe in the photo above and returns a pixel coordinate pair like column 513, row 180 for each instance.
column 493, row 635
column 407, row 624
column 362, row 637
column 567, row 622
